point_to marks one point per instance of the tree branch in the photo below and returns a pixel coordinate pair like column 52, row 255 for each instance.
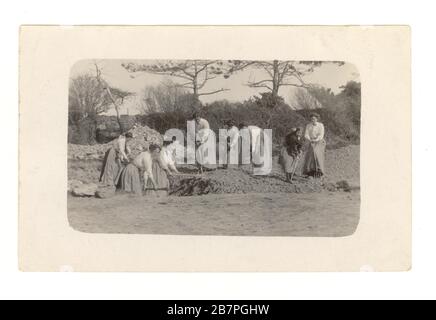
column 259, row 82
column 295, row 85
column 213, row 92
column 171, row 73
column 260, row 86
column 190, row 75
column 205, row 65
column 282, row 75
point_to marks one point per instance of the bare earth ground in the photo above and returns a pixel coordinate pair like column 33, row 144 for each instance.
column 292, row 214
column 237, row 204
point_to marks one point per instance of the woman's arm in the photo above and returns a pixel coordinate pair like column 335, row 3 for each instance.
column 163, row 162
column 321, row 133
column 306, row 133
column 122, row 148
column 148, row 170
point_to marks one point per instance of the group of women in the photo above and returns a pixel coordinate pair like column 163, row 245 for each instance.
column 119, row 171
column 157, row 163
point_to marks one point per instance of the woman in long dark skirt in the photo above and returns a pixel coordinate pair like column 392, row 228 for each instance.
column 291, row 152
column 113, row 160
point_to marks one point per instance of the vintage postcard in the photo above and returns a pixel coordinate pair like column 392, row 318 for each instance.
column 215, row 148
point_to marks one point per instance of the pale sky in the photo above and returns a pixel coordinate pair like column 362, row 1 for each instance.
column 328, row 75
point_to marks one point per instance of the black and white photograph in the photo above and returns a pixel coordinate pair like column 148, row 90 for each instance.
column 219, row 159
column 186, row 149
column 214, row 147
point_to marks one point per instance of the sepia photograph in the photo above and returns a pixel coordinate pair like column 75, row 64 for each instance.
column 214, row 159
column 214, row 147
column 220, row 155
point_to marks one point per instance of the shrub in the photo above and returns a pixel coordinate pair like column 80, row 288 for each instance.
column 82, row 132
column 340, row 113
column 281, row 118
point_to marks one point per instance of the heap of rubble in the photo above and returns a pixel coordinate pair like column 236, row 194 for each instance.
column 143, row 137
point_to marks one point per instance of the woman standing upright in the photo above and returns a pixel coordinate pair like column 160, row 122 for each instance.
column 232, row 144
column 202, row 130
column 315, row 155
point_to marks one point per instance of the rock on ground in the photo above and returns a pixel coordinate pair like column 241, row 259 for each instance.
column 105, row 192
column 74, row 184
column 85, row 190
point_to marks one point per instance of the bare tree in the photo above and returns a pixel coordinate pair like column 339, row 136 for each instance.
column 108, row 93
column 193, row 73
column 91, row 95
column 115, row 96
column 88, row 96
column 278, row 73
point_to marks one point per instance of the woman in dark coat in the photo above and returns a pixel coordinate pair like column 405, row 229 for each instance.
column 291, row 152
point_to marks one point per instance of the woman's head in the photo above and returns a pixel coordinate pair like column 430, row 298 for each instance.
column 154, row 149
column 296, row 131
column 242, row 125
column 128, row 135
column 196, row 117
column 314, row 117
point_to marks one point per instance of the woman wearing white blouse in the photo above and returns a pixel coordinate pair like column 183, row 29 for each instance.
column 314, row 160
column 202, row 130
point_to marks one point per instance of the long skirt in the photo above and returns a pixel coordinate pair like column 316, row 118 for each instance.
column 130, row 180
column 288, row 161
column 161, row 179
column 111, row 169
column 233, row 155
column 205, row 156
column 314, row 159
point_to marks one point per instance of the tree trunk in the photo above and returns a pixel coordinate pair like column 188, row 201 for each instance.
column 195, row 88
column 195, row 82
column 116, row 109
column 275, row 90
column 276, row 77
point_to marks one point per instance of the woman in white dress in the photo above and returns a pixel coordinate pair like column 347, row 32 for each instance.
column 315, row 155
column 232, row 145
column 202, row 130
